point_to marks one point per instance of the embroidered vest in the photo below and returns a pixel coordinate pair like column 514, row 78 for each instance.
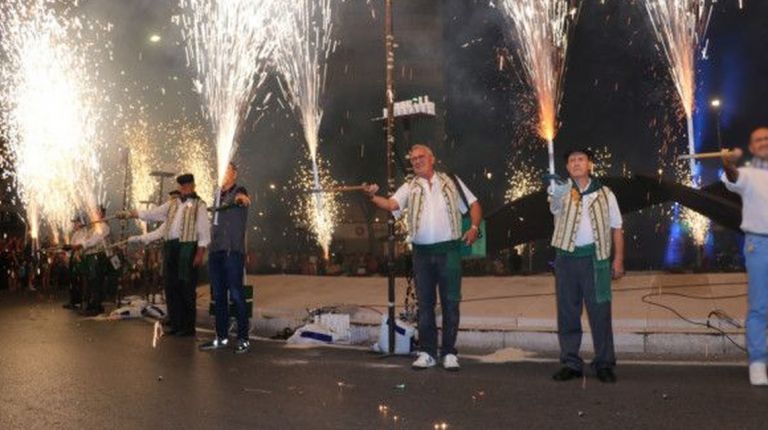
column 567, row 222
column 452, row 199
column 188, row 221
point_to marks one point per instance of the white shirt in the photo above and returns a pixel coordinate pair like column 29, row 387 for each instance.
column 584, row 233
column 79, row 236
column 435, row 224
column 151, row 236
column 752, row 186
column 160, row 214
column 92, row 238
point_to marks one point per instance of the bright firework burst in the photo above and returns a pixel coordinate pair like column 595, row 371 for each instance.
column 543, row 28
column 304, row 43
column 603, row 161
column 524, row 179
column 50, row 107
column 680, row 26
column 316, row 211
column 195, row 156
column 229, row 42
column 697, row 225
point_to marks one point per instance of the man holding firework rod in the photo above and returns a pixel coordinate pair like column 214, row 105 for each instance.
column 435, row 203
column 751, row 183
column 588, row 226
column 187, row 234
column 226, row 263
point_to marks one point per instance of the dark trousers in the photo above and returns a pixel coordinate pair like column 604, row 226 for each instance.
column 431, row 275
column 180, row 295
column 575, row 288
column 96, row 279
column 226, row 272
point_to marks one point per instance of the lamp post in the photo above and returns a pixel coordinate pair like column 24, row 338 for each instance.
column 716, row 104
column 389, row 41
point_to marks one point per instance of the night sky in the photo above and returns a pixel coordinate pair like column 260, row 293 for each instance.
column 618, row 95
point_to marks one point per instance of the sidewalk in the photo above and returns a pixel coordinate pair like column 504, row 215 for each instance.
column 519, row 312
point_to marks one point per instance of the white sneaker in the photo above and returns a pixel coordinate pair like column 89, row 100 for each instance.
column 424, row 361
column 757, row 374
column 451, row 362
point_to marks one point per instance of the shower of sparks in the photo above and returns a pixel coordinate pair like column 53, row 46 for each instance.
column 304, row 43
column 680, row 27
column 317, row 212
column 524, row 179
column 542, row 29
column 229, row 45
column 142, row 160
column 49, row 108
column 603, row 162
column 195, row 155
column 697, row 225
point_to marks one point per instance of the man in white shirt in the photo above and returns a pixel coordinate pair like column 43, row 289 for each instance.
column 187, row 234
column 587, row 223
column 435, row 202
column 92, row 245
column 751, row 183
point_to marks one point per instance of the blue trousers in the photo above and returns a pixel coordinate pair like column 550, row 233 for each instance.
column 756, row 256
column 431, row 274
column 226, row 273
column 575, row 288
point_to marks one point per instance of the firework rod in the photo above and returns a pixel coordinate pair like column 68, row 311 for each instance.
column 704, row 155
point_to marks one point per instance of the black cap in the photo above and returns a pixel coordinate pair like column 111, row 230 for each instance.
column 186, row 178
column 586, row 151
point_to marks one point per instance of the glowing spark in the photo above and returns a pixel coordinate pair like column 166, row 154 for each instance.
column 230, row 44
column 195, row 155
column 304, row 43
column 524, row 179
column 680, row 26
column 316, row 211
column 543, row 28
column 697, row 225
column 49, row 107
column 603, row 161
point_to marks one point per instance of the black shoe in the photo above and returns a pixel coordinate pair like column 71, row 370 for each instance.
column 170, row 331
column 70, row 306
column 566, row 374
column 606, row 375
column 185, row 333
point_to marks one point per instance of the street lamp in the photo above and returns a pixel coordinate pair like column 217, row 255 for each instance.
column 155, row 38
column 716, row 104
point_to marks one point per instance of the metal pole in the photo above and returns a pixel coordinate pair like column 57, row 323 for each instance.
column 126, row 185
column 389, row 40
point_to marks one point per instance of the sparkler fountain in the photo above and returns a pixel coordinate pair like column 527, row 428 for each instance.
column 680, row 27
column 50, row 109
column 229, row 44
column 304, row 43
column 543, row 29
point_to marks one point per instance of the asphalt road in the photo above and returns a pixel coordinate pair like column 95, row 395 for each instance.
column 58, row 370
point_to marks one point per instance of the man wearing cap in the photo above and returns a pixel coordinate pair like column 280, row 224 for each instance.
column 587, row 226
column 226, row 262
column 187, row 234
